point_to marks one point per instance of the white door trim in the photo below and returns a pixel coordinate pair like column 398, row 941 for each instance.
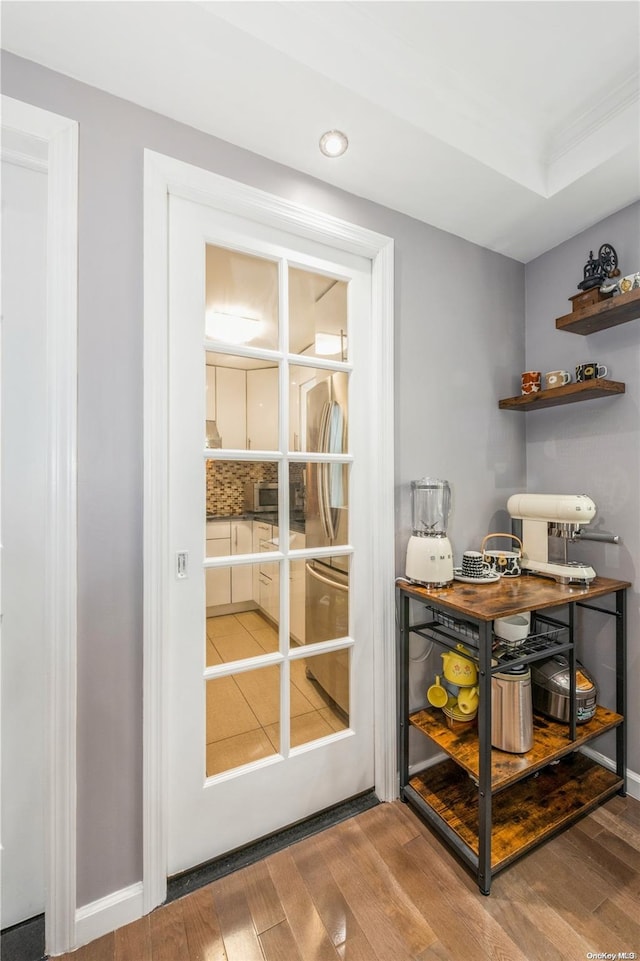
column 61, row 137
column 163, row 176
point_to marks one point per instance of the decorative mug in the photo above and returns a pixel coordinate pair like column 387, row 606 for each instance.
column 474, row 565
column 556, row 378
column 621, row 286
column 531, row 381
column 590, row 371
column 468, row 699
column 504, row 563
column 437, row 695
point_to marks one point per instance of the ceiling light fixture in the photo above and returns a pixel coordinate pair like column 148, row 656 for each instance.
column 231, row 328
column 329, row 345
column 333, row 143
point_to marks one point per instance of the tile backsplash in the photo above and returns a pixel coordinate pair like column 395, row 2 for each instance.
column 226, row 481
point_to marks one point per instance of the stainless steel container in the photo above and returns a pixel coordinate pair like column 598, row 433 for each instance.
column 551, row 689
column 512, row 710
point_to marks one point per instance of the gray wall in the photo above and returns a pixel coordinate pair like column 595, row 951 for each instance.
column 592, row 447
column 459, row 338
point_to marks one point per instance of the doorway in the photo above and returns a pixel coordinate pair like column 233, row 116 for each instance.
column 228, row 510
column 39, row 160
column 23, row 521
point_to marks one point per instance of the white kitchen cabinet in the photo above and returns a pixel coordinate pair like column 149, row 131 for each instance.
column 261, row 533
column 231, row 407
column 244, row 405
column 210, row 406
column 265, row 590
column 241, row 577
column 272, row 605
column 262, row 409
column 267, row 580
column 297, row 576
column 218, row 579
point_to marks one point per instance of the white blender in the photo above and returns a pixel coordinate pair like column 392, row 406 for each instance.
column 429, row 552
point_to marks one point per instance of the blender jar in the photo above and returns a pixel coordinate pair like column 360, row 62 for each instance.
column 430, row 506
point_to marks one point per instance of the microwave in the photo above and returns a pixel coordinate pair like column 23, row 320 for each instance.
column 261, row 497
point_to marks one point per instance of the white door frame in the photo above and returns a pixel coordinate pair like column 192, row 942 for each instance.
column 61, row 137
column 163, row 176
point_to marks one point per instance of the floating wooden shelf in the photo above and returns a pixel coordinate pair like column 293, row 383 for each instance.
column 530, row 812
column 569, row 394
column 607, row 313
column 551, row 742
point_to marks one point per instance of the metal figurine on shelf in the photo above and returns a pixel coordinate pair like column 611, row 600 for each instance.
column 596, row 271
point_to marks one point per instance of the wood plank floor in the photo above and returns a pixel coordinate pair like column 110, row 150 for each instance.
column 382, row 887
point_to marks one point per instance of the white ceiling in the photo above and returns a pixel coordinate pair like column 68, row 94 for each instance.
column 512, row 124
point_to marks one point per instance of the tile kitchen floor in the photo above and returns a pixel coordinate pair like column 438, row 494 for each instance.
column 243, row 709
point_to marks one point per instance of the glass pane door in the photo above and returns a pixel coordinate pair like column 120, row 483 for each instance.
column 270, row 680
column 251, row 604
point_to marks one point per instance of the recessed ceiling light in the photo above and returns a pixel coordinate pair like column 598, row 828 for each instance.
column 333, row 143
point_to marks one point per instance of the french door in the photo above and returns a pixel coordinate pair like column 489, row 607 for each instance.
column 270, row 661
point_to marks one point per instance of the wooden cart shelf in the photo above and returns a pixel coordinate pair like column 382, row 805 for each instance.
column 529, row 813
column 551, row 742
column 508, row 595
column 492, row 806
column 569, row 394
column 607, row 313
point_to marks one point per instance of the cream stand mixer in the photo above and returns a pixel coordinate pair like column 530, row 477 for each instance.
column 548, row 523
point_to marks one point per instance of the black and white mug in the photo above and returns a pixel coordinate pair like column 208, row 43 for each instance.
column 474, row 565
column 590, row 371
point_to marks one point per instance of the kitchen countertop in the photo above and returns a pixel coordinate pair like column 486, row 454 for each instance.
column 230, row 517
column 295, row 524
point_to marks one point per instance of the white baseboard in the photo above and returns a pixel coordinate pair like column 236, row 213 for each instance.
column 633, row 779
column 109, row 913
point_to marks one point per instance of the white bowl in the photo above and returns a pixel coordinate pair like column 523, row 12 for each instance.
column 513, row 629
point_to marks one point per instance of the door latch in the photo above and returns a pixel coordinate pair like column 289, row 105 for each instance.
column 182, row 563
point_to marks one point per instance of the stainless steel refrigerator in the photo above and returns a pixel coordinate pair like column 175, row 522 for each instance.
column 326, row 525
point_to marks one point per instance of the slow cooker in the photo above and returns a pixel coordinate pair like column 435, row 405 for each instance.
column 550, row 681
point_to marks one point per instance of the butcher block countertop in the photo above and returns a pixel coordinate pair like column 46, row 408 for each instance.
column 529, row 592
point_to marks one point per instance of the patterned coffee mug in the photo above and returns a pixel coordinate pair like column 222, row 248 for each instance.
column 556, row 378
column 531, row 381
column 474, row 565
column 590, row 371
